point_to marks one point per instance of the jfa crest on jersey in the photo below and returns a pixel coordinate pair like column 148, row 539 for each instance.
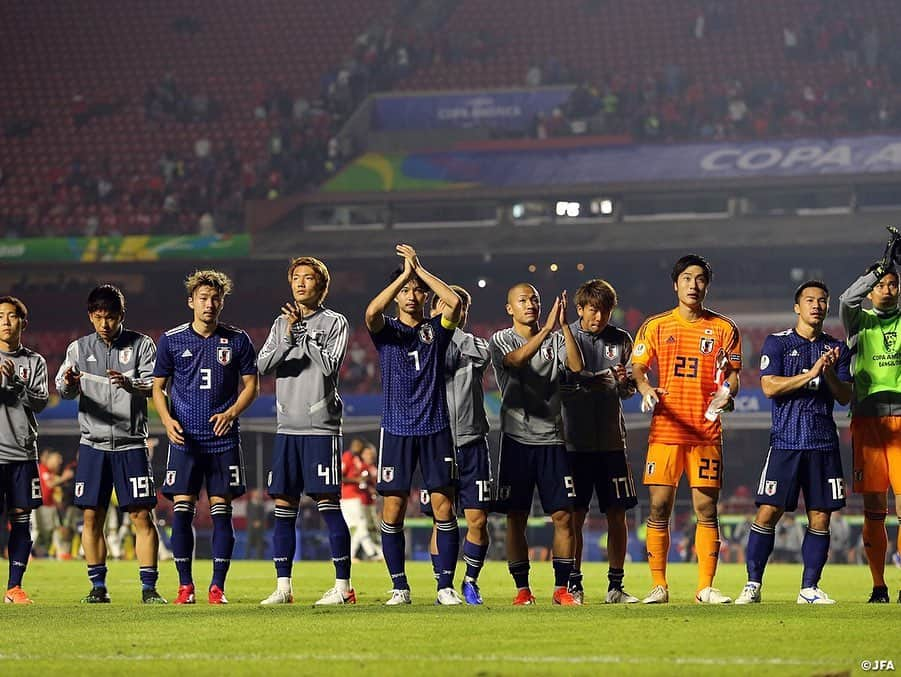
column 412, row 360
column 204, row 376
column 802, row 419
column 688, row 370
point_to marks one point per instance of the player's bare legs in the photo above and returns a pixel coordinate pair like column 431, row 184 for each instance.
column 579, row 515
column 617, row 535
column 564, row 541
column 92, row 537
column 476, row 526
column 147, row 538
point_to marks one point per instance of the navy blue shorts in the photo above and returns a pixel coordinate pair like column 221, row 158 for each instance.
column 474, row 484
column 305, row 463
column 607, row 473
column 787, row 473
column 128, row 471
column 523, row 467
column 399, row 455
column 221, row 473
column 20, row 486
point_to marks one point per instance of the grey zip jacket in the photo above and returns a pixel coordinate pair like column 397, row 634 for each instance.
column 110, row 418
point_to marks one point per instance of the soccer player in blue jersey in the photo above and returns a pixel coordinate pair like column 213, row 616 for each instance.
column 804, row 371
column 110, row 372
column 415, row 426
column 211, row 374
column 305, row 349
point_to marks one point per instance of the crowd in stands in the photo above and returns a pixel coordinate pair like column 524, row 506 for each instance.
column 856, row 93
column 852, row 66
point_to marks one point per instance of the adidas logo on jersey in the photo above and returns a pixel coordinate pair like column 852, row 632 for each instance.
column 793, row 353
column 91, row 358
column 187, row 353
column 671, row 339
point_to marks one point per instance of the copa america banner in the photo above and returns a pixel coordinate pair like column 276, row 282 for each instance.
column 504, row 110
column 643, row 163
column 126, row 248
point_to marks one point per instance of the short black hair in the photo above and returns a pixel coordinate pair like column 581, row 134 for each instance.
column 692, row 260
column 21, row 309
column 107, row 298
column 817, row 284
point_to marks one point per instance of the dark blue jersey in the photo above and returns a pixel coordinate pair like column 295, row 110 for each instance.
column 802, row 419
column 204, row 376
column 412, row 362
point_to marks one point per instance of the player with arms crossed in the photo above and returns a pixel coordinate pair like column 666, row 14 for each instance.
column 211, row 374
column 698, row 356
column 467, row 359
column 874, row 337
column 23, row 393
column 415, row 427
column 110, row 372
column 530, row 361
column 804, row 371
column 305, row 349
column 596, row 431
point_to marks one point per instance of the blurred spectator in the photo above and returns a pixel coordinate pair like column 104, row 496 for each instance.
column 359, row 476
column 46, row 524
column 789, row 537
column 257, row 522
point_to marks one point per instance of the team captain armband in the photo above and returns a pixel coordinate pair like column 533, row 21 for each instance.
column 447, row 324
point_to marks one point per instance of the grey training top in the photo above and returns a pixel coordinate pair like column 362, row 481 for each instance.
column 530, row 396
column 592, row 407
column 110, row 418
column 306, row 365
column 21, row 397
column 466, row 360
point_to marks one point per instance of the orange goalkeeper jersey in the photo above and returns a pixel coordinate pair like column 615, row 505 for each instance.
column 686, row 356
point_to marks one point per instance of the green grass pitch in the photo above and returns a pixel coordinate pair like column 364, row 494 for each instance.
column 58, row 635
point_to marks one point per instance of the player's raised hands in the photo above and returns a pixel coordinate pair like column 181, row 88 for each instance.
column 561, row 309
column 292, row 315
column 7, row 368
column 411, row 259
column 553, row 318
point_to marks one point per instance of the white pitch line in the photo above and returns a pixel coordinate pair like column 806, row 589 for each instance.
column 477, row 658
